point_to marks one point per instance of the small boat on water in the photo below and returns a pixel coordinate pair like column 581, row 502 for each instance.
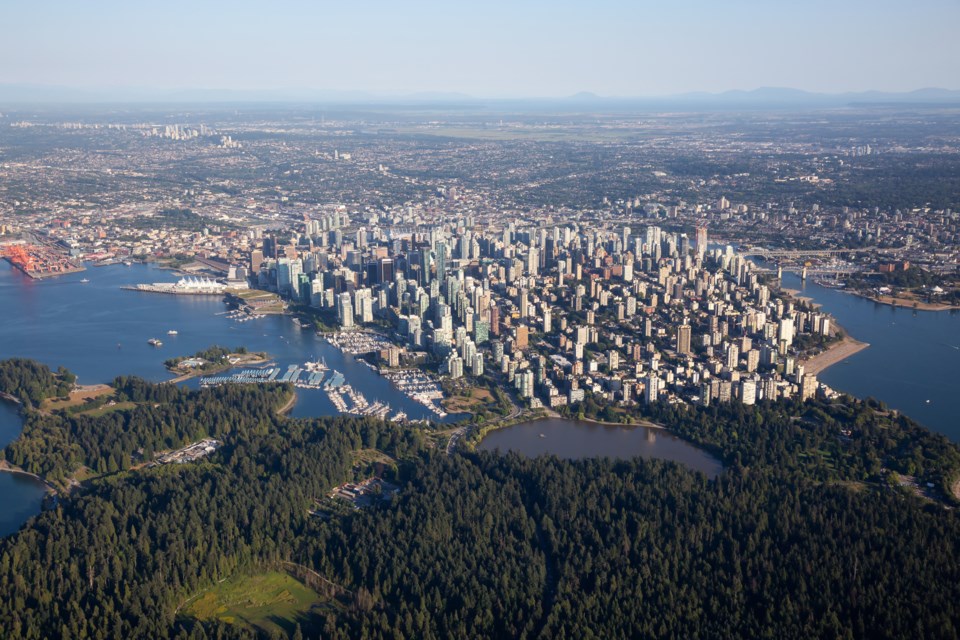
column 172, row 332
column 85, row 281
column 154, row 342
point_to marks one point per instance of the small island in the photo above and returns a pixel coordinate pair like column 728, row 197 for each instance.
column 212, row 360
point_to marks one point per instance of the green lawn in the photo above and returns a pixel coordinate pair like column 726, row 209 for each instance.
column 269, row 602
column 105, row 409
column 371, row 456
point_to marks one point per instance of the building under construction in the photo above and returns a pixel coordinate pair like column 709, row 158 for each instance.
column 38, row 261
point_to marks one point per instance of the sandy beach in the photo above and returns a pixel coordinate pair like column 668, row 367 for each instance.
column 836, row 353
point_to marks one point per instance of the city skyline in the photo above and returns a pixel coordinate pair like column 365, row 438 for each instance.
column 501, row 51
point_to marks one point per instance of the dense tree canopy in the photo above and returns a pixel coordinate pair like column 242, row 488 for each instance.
column 800, row 536
column 30, row 382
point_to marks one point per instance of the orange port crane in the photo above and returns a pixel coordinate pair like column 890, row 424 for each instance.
column 19, row 255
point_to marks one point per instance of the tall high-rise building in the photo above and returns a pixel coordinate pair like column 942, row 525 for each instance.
column 701, row 241
column 477, row 364
column 522, row 337
column 652, row 392
column 287, row 272
column 613, row 359
column 785, row 331
column 733, row 357
column 808, row 386
column 653, row 239
column 753, row 359
column 683, row 339
column 256, row 259
column 345, row 310
column 424, row 258
column 524, row 303
column 533, row 261
column 441, row 260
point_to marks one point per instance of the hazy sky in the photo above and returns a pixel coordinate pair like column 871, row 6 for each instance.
column 492, row 48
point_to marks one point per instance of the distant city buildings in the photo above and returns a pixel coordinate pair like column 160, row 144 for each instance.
column 513, row 272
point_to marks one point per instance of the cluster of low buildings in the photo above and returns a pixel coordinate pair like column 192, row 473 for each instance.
column 190, row 453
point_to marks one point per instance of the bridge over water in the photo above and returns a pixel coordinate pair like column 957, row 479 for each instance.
column 761, row 252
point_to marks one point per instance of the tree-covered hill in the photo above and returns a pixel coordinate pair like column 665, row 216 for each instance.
column 802, row 535
column 30, row 382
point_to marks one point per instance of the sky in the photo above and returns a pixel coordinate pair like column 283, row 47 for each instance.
column 491, row 49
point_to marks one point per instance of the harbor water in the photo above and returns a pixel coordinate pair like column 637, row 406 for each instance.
column 912, row 364
column 100, row 331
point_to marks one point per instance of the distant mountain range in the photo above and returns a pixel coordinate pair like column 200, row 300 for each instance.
column 762, row 97
column 797, row 96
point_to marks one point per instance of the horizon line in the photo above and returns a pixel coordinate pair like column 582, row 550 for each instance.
column 130, row 92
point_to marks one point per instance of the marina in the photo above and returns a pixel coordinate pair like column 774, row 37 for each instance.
column 358, row 404
column 116, row 344
column 358, row 342
column 243, row 316
column 419, row 387
column 415, row 384
column 311, row 375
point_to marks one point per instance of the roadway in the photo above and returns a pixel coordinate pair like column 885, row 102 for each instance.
column 459, row 433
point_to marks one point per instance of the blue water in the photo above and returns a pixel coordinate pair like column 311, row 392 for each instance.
column 576, row 439
column 100, row 331
column 912, row 364
column 20, row 496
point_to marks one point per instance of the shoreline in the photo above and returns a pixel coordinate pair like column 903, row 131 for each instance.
column 6, row 467
column 902, row 303
column 890, row 301
column 709, row 450
column 645, row 423
column 220, row 369
column 289, row 405
column 835, row 354
column 486, row 430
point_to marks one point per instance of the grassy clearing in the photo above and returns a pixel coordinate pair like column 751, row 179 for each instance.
column 101, row 411
column 271, row 302
column 76, row 398
column 476, row 399
column 853, row 485
column 269, row 602
column 371, row 456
